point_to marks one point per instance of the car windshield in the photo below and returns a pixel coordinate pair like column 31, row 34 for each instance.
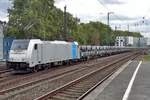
column 20, row 45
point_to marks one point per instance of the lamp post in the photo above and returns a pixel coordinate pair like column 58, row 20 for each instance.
column 65, row 23
column 108, row 17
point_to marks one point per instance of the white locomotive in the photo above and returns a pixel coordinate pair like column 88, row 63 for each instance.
column 34, row 54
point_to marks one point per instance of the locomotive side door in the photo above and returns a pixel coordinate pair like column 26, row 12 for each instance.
column 39, row 53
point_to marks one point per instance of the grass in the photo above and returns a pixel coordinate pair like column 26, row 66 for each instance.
column 146, row 58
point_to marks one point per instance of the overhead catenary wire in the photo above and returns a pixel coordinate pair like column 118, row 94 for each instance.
column 138, row 23
column 115, row 15
column 109, row 9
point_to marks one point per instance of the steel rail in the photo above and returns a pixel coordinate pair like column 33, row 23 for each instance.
column 52, row 93
column 95, row 86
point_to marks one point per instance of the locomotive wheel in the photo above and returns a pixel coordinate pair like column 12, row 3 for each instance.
column 34, row 69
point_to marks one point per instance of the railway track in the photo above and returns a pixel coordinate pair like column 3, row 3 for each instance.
column 79, row 88
column 5, row 71
column 29, row 86
column 16, row 81
column 2, row 66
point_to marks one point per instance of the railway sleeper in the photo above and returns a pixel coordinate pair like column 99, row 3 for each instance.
column 66, row 96
column 56, row 98
column 80, row 88
column 72, row 90
column 72, row 93
column 85, row 84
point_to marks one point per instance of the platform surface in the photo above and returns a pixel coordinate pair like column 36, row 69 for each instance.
column 116, row 86
column 141, row 86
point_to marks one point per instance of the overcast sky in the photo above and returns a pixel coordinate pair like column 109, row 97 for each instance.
column 125, row 12
column 4, row 5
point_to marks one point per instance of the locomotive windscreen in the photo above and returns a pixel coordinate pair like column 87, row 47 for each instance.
column 20, row 44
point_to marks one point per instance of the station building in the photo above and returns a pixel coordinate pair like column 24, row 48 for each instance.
column 131, row 41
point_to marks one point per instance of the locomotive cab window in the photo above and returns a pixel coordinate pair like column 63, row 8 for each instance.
column 20, row 45
column 35, row 47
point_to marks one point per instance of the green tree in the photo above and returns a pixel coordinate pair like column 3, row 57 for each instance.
column 41, row 19
column 38, row 19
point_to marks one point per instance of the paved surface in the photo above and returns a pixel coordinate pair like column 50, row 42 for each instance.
column 116, row 88
column 141, row 85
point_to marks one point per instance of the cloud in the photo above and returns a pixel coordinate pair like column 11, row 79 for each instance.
column 112, row 1
column 117, row 17
column 3, row 16
column 114, row 19
column 85, row 18
column 81, row 7
column 4, row 5
column 103, row 1
column 58, row 1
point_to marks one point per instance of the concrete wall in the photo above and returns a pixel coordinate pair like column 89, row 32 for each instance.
column 136, row 42
column 7, row 42
column 1, row 42
column 143, row 42
column 129, row 40
column 132, row 41
column 148, row 41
